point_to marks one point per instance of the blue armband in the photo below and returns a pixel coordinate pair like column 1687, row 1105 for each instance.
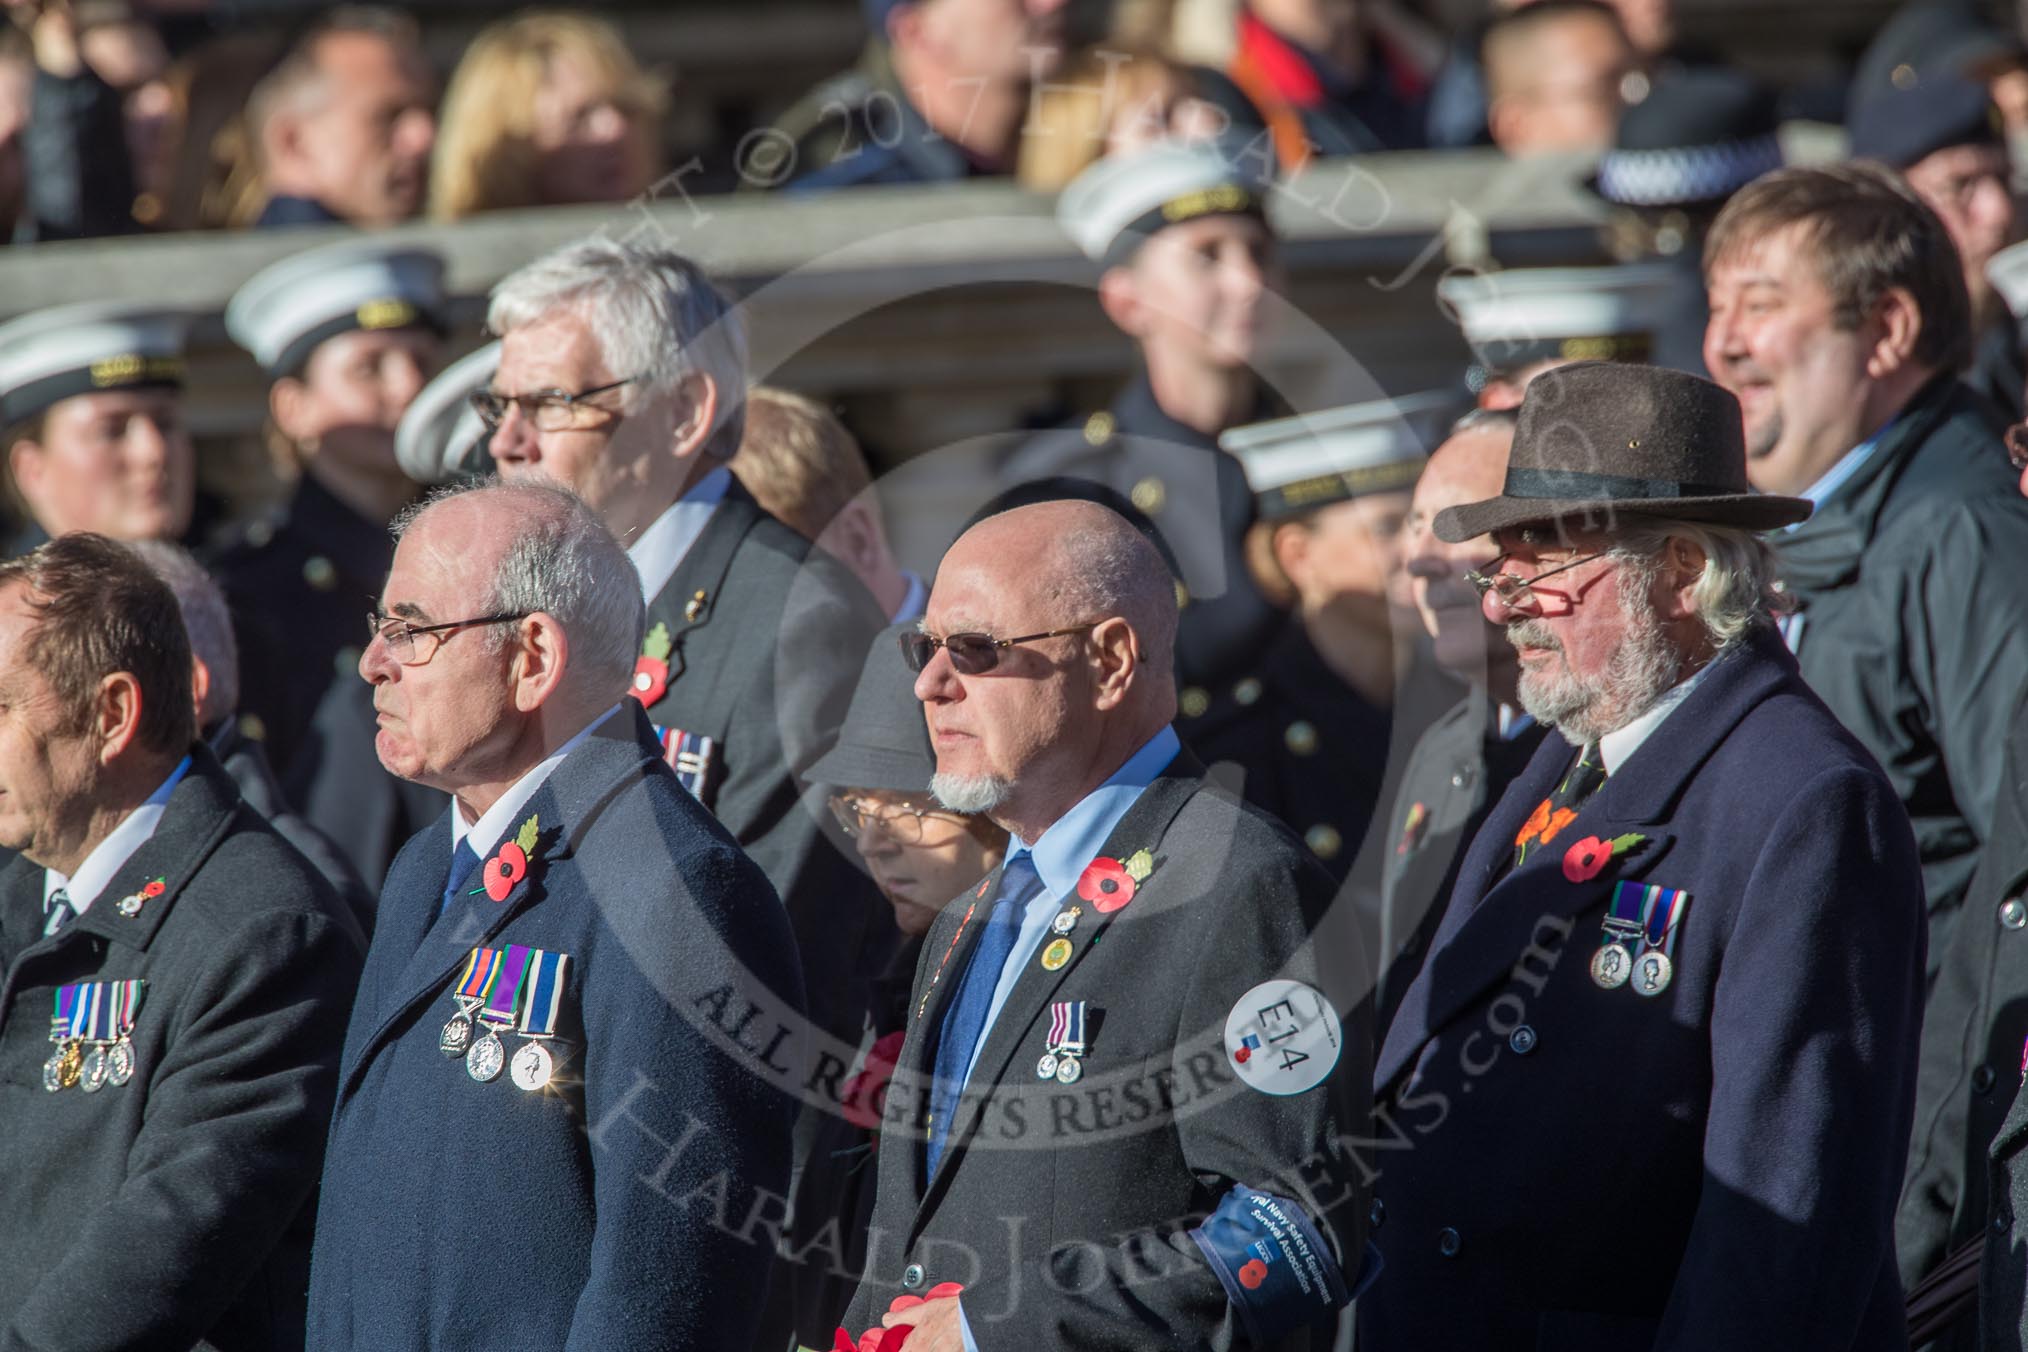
column 1277, row 1271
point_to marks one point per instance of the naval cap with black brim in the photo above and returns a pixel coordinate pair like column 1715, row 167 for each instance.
column 1598, row 442
column 884, row 742
column 285, row 310
column 52, row 355
column 1701, row 134
column 1515, row 318
column 438, row 434
column 1112, row 208
column 1299, row 464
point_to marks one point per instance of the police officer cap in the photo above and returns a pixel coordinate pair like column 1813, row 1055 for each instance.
column 1936, row 109
column 1701, row 134
column 1111, row 208
column 52, row 355
column 1296, row 465
column 1521, row 316
column 287, row 309
column 439, row 434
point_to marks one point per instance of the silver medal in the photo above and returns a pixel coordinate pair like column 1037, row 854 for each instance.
column 120, row 1063
column 1652, row 972
column 1065, row 922
column 52, row 1072
column 1045, row 1069
column 1068, row 1069
column 131, row 906
column 92, row 1074
column 533, row 1066
column 456, row 1039
column 1611, row 966
column 484, row 1061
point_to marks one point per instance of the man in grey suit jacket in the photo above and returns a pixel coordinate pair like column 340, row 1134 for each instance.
column 174, row 994
column 623, row 377
column 1127, row 1107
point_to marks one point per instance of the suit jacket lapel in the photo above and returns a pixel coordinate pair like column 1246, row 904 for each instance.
column 1486, row 930
column 1141, row 828
column 564, row 806
column 687, row 601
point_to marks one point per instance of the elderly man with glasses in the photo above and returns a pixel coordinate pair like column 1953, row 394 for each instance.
column 1652, row 1085
column 623, row 376
column 1133, row 1073
column 538, row 1082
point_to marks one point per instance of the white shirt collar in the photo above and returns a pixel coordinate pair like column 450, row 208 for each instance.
column 669, row 537
column 1615, row 748
column 494, row 823
column 110, row 855
column 914, row 603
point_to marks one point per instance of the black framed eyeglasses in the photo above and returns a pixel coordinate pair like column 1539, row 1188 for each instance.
column 901, row 822
column 415, row 644
column 545, row 410
column 1513, row 589
column 972, row 654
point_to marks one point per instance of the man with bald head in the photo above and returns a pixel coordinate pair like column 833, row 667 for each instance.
column 1124, row 1067
column 1465, row 760
column 537, row 1071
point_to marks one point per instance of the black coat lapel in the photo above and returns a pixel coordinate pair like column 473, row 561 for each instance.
column 1142, row 828
column 687, row 601
column 1478, row 944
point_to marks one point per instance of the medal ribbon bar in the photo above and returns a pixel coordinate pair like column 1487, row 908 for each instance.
column 504, row 1002
column 545, row 993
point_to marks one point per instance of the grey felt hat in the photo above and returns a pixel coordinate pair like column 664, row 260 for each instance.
column 1598, row 441
column 884, row 743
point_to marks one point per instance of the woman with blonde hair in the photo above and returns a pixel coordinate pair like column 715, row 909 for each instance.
column 1110, row 100
column 546, row 109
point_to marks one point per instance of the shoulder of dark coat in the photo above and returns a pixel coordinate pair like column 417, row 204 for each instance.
column 253, row 873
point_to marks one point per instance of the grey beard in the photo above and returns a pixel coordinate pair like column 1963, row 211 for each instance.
column 1642, row 670
column 972, row 794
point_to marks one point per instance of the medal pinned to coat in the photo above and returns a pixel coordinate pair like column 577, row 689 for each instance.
column 1638, row 943
column 92, row 1025
column 511, row 989
column 1063, row 1055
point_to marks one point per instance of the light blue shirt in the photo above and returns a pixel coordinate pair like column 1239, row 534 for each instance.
column 669, row 537
column 1061, row 857
column 1848, row 465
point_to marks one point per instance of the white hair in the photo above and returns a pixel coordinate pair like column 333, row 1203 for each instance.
column 205, row 618
column 658, row 319
column 563, row 562
column 1736, row 591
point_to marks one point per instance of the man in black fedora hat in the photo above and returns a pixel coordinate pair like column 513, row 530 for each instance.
column 1651, row 1086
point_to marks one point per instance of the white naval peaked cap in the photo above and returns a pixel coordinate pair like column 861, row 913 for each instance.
column 1520, row 316
column 51, row 355
column 1294, row 465
column 2007, row 270
column 1111, row 208
column 441, row 427
column 285, row 310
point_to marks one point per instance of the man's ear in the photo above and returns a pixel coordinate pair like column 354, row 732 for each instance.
column 116, row 715
column 1899, row 321
column 696, row 413
column 1120, row 298
column 854, row 538
column 200, row 687
column 541, row 654
column 1683, row 564
column 1118, row 652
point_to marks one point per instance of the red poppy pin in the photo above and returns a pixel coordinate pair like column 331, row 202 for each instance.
column 509, row 864
column 651, row 672
column 1583, row 860
column 130, row 906
column 1109, row 884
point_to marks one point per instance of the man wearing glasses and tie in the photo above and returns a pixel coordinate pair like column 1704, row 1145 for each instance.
column 1132, row 1085
column 1656, row 1067
column 623, row 377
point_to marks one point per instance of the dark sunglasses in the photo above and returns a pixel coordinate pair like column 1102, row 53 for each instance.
column 971, row 654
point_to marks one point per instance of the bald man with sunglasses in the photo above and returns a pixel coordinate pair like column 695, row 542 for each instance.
column 1133, row 1078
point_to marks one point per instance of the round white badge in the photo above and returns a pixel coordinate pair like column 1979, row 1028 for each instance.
column 1283, row 1037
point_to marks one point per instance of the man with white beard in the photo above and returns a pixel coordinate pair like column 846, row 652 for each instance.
column 1666, row 1031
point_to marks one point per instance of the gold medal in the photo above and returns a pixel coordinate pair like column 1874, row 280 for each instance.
column 1056, row 955
column 69, row 1064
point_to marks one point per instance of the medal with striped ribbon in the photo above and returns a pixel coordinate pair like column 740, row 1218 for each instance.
column 534, row 1064
column 1060, row 1058
column 488, row 1056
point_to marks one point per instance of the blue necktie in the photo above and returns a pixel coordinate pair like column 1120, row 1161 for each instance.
column 965, row 1017
column 463, row 860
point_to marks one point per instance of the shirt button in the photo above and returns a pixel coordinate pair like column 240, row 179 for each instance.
column 1377, row 1215
column 913, row 1276
column 1522, row 1040
column 1982, row 1079
column 1448, row 1242
column 2013, row 913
